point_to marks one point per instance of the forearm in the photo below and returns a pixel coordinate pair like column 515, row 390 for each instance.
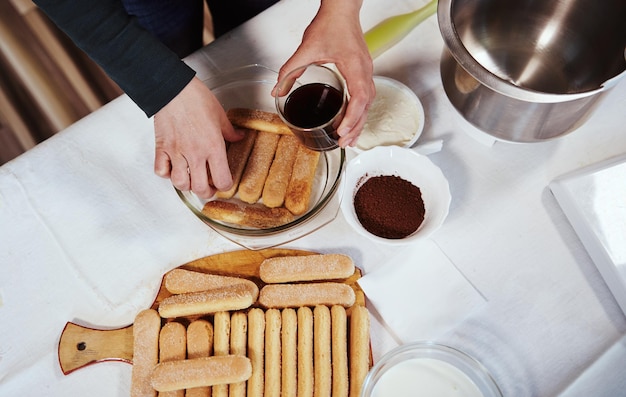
column 140, row 64
column 347, row 11
column 346, row 8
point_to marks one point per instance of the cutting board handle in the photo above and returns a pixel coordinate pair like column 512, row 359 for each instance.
column 80, row 346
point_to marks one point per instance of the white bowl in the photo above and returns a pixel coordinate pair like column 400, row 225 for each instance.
column 396, row 117
column 408, row 165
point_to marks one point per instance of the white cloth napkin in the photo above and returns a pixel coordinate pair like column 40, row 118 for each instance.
column 97, row 215
column 419, row 293
column 99, row 231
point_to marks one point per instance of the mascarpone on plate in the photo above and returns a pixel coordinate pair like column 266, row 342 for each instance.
column 396, row 117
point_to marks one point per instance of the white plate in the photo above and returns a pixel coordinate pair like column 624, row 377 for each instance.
column 592, row 198
column 408, row 165
column 396, row 116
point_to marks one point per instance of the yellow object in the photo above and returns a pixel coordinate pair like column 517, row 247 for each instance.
column 390, row 31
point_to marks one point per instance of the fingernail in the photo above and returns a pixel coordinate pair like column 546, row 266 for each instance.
column 345, row 143
column 343, row 131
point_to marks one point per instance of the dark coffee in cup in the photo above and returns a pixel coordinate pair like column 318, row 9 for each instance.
column 314, row 105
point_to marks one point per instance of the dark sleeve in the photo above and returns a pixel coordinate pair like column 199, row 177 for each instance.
column 149, row 72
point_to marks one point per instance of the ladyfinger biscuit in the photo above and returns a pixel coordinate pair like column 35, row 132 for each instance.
column 257, row 167
column 256, row 351
column 339, row 347
column 247, row 215
column 199, row 344
column 300, row 185
column 181, row 281
column 237, row 154
column 221, row 334
column 172, row 347
column 146, row 329
column 285, row 269
column 221, row 345
column 312, row 294
column 289, row 345
column 272, row 353
column 199, row 339
column 238, row 342
column 280, row 172
column 305, row 352
column 322, row 351
column 255, row 119
column 231, row 297
column 359, row 348
column 198, row 372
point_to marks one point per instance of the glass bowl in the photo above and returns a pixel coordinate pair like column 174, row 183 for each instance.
column 429, row 369
column 250, row 87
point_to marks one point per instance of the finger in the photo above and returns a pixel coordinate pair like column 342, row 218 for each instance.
column 219, row 169
column 209, row 169
column 230, row 133
column 162, row 164
column 352, row 137
column 362, row 95
column 357, row 108
column 201, row 180
column 287, row 76
column 180, row 173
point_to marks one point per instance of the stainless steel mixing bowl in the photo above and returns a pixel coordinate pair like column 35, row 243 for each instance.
column 530, row 70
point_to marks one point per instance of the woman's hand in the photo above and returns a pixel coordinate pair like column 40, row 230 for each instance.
column 335, row 36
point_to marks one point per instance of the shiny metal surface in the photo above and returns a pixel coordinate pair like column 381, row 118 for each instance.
column 529, row 70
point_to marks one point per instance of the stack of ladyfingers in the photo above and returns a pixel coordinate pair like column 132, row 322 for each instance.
column 272, row 173
column 299, row 334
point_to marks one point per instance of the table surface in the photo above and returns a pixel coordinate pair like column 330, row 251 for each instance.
column 87, row 230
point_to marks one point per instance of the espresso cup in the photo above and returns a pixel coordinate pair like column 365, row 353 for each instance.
column 311, row 100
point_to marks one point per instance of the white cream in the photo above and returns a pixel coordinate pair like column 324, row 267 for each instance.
column 394, row 118
column 425, row 377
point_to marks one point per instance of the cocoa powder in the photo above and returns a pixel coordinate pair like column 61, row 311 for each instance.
column 389, row 206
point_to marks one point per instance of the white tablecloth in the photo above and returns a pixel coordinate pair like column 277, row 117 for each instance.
column 87, row 230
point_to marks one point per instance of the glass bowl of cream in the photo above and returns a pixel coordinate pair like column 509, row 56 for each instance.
column 396, row 116
column 429, row 369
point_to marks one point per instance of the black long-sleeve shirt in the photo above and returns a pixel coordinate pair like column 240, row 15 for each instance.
column 149, row 72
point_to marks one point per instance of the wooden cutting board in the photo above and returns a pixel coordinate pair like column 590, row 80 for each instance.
column 81, row 346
